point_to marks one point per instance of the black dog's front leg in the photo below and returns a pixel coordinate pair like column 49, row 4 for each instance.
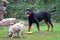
column 38, row 26
column 37, row 23
column 30, row 24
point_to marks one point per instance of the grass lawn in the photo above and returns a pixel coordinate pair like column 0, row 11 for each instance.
column 42, row 35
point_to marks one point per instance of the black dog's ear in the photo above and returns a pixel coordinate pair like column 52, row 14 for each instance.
column 25, row 9
column 30, row 9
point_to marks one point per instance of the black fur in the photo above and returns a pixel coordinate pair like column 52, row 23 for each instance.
column 35, row 17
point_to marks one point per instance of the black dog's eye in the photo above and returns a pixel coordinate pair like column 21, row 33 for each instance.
column 29, row 10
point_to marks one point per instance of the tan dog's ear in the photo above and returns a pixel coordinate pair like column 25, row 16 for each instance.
column 21, row 22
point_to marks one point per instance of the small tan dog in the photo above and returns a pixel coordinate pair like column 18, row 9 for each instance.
column 16, row 28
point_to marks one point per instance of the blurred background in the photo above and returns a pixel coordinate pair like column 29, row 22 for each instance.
column 16, row 8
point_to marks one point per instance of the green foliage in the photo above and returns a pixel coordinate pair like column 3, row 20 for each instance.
column 16, row 8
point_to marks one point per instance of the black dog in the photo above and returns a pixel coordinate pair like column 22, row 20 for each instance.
column 35, row 17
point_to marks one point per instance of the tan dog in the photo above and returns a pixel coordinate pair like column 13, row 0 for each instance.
column 16, row 28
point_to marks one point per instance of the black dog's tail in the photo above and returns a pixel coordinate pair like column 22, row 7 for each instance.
column 52, row 10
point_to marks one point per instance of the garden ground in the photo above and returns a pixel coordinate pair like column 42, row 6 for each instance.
column 42, row 35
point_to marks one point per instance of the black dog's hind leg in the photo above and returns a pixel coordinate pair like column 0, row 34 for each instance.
column 51, row 25
column 47, row 25
column 48, row 22
column 48, row 19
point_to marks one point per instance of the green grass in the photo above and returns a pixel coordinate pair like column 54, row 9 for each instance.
column 42, row 35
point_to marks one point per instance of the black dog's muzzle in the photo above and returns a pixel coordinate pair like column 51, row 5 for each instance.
column 28, row 11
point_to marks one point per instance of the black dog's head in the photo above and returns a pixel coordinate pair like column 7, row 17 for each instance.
column 28, row 11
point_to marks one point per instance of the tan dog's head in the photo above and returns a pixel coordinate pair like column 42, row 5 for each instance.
column 21, row 22
column 10, row 33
